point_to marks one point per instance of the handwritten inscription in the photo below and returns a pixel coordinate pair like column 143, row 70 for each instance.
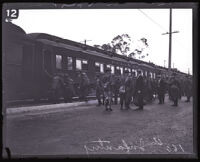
column 141, row 145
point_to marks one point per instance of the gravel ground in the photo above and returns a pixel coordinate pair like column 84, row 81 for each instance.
column 158, row 129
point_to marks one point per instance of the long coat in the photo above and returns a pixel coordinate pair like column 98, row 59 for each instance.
column 188, row 88
column 175, row 89
column 161, row 87
column 139, row 91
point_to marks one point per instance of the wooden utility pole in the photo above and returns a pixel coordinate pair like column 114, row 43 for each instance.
column 170, row 38
column 85, row 41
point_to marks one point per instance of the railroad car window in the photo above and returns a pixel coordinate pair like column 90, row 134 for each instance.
column 142, row 73
column 136, row 74
column 78, row 64
column 84, row 64
column 108, row 66
column 69, row 63
column 117, row 70
column 121, row 70
column 58, row 62
column 101, row 68
column 97, row 67
column 151, row 75
column 145, row 73
column 112, row 69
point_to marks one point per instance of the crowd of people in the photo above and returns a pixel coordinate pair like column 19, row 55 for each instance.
column 139, row 90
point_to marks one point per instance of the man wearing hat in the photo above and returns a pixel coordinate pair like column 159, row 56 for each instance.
column 69, row 88
column 188, row 88
column 161, row 89
column 128, row 89
column 139, row 90
column 174, row 89
column 99, row 89
column 83, row 86
column 107, row 83
column 134, row 78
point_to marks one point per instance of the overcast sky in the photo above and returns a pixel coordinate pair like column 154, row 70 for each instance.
column 102, row 25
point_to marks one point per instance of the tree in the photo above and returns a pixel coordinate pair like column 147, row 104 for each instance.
column 139, row 52
column 122, row 44
column 107, row 47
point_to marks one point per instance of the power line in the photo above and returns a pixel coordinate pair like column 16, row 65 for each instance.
column 160, row 26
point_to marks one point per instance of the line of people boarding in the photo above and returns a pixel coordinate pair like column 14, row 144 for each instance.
column 139, row 90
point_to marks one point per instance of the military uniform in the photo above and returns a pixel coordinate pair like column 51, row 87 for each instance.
column 107, row 83
column 84, row 86
column 99, row 90
column 188, row 89
column 161, row 90
column 69, row 89
column 149, row 86
column 139, row 87
column 133, row 81
column 115, row 89
column 175, row 91
column 128, row 91
column 57, row 87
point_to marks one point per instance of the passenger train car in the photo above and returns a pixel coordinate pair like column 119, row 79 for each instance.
column 31, row 60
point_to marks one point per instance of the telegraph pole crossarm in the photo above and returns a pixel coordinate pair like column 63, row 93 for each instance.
column 85, row 41
column 170, row 38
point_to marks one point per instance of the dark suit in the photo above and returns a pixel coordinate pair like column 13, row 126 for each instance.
column 161, row 91
column 139, row 90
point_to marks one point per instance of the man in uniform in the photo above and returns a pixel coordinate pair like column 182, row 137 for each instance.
column 149, row 88
column 83, row 86
column 122, row 91
column 139, row 90
column 99, row 89
column 128, row 89
column 69, row 88
column 116, row 86
column 188, row 88
column 133, row 80
column 161, row 89
column 57, row 87
column 174, row 89
column 107, row 83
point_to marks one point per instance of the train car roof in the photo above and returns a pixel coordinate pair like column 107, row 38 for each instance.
column 87, row 51
column 12, row 28
column 76, row 46
column 147, row 66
